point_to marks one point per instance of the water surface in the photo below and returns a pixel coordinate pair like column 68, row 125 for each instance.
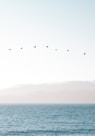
column 47, row 120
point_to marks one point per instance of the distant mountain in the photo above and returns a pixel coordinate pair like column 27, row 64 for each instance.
column 68, row 92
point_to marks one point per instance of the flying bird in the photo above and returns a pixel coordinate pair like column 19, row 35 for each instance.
column 21, row 48
column 34, row 46
column 46, row 46
column 84, row 53
column 67, row 50
column 10, row 49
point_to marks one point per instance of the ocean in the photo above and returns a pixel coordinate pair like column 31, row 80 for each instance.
column 47, row 120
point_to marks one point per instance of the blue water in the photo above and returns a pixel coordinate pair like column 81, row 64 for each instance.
column 47, row 120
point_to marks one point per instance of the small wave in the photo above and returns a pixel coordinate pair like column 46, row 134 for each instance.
column 62, row 132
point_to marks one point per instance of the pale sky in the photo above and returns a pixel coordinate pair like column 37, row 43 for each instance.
column 61, row 24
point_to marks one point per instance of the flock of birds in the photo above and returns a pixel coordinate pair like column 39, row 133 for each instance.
column 84, row 53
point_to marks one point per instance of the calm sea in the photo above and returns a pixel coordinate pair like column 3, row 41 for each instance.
column 47, row 120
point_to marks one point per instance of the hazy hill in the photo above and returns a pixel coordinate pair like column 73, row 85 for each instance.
column 68, row 92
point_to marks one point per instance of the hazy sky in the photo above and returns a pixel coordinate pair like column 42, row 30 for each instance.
column 62, row 24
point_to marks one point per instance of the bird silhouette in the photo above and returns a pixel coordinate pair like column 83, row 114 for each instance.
column 34, row 46
column 10, row 49
column 68, row 50
column 84, row 53
column 56, row 49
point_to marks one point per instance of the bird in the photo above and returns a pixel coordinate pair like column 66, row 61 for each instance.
column 46, row 46
column 10, row 49
column 56, row 49
column 21, row 48
column 67, row 50
column 84, row 53
column 34, row 46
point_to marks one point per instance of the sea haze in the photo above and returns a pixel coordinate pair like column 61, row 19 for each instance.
column 68, row 92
